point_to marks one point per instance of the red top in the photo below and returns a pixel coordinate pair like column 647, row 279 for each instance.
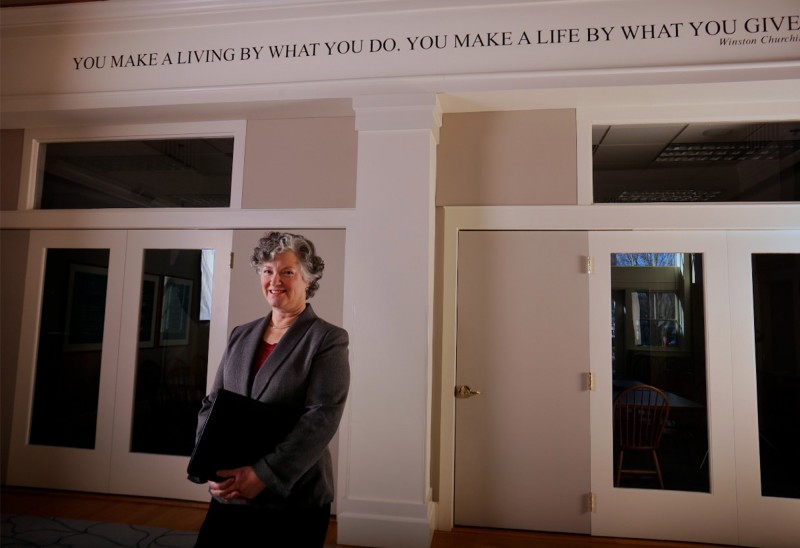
column 264, row 350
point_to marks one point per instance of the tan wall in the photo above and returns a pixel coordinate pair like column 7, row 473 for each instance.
column 13, row 257
column 507, row 158
column 10, row 164
column 300, row 163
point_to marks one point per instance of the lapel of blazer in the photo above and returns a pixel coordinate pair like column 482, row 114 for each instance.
column 247, row 354
column 284, row 349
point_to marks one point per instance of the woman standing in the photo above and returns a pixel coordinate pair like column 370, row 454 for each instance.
column 290, row 357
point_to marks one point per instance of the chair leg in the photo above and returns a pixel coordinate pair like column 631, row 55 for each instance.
column 658, row 468
column 619, row 469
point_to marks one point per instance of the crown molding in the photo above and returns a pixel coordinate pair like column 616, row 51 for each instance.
column 63, row 18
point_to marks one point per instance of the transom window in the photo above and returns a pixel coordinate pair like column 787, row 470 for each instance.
column 696, row 162
column 146, row 173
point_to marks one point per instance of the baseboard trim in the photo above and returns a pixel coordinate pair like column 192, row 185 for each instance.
column 387, row 531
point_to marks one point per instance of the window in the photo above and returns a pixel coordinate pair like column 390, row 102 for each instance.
column 776, row 314
column 68, row 361
column 655, row 318
column 142, row 173
column 697, row 162
column 647, row 259
column 649, row 289
column 658, row 339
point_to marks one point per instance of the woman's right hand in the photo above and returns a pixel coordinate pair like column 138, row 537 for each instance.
column 241, row 484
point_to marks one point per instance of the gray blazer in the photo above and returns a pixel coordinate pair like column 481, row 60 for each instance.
column 308, row 369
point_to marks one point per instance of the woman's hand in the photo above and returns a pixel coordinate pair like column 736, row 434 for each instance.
column 241, row 484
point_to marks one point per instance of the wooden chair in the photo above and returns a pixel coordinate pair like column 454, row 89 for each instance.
column 640, row 415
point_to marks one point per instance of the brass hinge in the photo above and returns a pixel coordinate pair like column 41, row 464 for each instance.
column 231, row 260
column 589, row 264
column 591, row 502
column 590, row 381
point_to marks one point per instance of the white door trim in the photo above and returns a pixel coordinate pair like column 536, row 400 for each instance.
column 763, row 521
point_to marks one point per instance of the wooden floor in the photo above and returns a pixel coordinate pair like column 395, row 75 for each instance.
column 184, row 515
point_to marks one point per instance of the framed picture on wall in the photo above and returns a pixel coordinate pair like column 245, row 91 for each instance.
column 86, row 308
column 175, row 311
column 147, row 311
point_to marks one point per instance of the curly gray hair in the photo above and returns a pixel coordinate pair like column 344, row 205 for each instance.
column 311, row 264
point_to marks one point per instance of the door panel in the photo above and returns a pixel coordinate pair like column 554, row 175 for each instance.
column 163, row 370
column 522, row 445
column 144, row 416
column 627, row 511
column 765, row 314
column 59, row 360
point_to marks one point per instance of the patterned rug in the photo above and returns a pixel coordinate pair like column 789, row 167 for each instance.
column 19, row 531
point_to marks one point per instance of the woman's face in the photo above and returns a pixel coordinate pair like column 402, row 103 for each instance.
column 282, row 283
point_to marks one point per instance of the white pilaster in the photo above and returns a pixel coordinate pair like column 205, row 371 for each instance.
column 384, row 479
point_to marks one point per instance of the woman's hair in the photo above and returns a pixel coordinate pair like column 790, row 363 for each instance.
column 311, row 264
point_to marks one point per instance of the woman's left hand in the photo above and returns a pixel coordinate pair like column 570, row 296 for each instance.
column 241, row 484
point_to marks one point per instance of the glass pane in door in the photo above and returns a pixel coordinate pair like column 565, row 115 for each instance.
column 67, row 381
column 659, row 371
column 172, row 357
column 776, row 308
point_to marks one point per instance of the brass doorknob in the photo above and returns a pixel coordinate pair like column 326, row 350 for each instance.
column 464, row 391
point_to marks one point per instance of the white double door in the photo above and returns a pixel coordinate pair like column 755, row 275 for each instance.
column 536, row 441
column 99, row 367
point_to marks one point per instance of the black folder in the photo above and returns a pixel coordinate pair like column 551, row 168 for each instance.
column 238, row 431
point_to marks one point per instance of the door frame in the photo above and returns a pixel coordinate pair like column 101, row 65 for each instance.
column 763, row 521
column 166, row 474
column 30, row 464
column 452, row 220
